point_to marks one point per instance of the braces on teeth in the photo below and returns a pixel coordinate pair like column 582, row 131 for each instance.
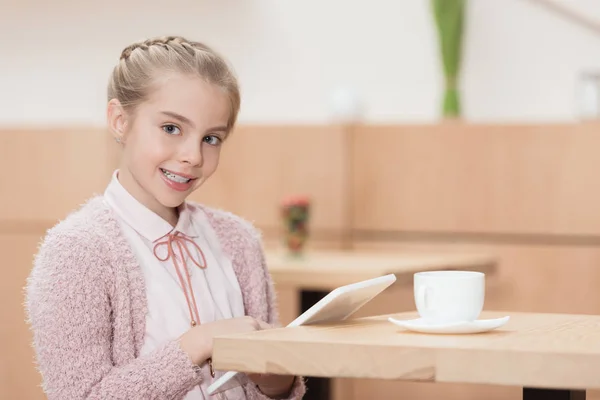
column 175, row 178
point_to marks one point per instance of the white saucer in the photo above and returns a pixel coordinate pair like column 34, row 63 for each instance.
column 478, row 326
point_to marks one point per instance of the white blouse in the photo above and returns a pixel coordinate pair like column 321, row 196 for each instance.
column 215, row 287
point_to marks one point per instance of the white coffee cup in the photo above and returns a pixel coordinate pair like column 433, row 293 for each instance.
column 449, row 296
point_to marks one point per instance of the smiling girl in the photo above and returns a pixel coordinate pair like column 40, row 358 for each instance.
column 128, row 292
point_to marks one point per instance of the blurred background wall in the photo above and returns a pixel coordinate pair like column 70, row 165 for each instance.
column 521, row 62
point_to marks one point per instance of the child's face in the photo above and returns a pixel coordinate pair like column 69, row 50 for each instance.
column 173, row 143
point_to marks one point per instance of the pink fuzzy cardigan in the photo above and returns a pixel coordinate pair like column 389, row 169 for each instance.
column 86, row 304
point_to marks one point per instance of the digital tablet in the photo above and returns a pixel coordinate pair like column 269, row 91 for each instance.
column 338, row 305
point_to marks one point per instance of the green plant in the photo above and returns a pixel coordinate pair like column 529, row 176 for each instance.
column 449, row 19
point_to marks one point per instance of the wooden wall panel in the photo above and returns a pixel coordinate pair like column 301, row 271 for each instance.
column 59, row 169
column 18, row 375
column 45, row 174
column 533, row 179
column 260, row 165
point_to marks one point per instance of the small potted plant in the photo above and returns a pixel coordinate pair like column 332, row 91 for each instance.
column 295, row 212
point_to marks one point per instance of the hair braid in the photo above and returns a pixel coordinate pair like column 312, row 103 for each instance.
column 131, row 80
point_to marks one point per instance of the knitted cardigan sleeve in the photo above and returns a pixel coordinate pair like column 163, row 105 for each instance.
column 69, row 310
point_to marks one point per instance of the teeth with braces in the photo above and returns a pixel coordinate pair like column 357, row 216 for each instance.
column 175, row 178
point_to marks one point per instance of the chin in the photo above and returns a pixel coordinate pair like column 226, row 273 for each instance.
column 171, row 201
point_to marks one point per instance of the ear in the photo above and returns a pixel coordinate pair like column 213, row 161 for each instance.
column 117, row 120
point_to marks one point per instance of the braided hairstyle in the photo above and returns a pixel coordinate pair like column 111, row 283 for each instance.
column 134, row 77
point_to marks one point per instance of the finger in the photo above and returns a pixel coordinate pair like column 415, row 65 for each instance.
column 256, row 378
column 259, row 378
column 263, row 325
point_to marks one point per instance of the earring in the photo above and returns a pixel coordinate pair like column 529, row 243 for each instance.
column 118, row 140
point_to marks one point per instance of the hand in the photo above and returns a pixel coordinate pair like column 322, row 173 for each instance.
column 198, row 341
column 273, row 386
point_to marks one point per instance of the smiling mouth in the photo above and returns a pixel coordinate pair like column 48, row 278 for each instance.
column 174, row 177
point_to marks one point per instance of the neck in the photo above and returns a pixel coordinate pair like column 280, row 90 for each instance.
column 126, row 179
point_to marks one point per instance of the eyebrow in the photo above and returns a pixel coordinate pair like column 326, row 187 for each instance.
column 187, row 121
column 179, row 118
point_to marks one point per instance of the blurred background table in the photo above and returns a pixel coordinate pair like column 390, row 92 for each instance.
column 327, row 269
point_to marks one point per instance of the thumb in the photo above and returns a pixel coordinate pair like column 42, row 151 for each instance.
column 263, row 325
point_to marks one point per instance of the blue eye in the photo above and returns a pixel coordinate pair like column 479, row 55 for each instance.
column 212, row 140
column 171, row 129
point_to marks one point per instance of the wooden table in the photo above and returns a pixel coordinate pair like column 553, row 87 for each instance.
column 552, row 356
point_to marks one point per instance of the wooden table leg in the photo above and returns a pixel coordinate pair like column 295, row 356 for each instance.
column 552, row 394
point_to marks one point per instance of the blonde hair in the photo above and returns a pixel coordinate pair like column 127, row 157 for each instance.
column 133, row 78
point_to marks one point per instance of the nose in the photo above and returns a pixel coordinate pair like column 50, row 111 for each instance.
column 191, row 153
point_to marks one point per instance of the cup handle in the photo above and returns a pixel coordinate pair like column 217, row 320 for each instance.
column 423, row 294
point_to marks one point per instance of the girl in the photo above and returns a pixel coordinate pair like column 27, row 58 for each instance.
column 128, row 292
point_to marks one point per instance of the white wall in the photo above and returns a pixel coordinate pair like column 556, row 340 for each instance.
column 521, row 63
